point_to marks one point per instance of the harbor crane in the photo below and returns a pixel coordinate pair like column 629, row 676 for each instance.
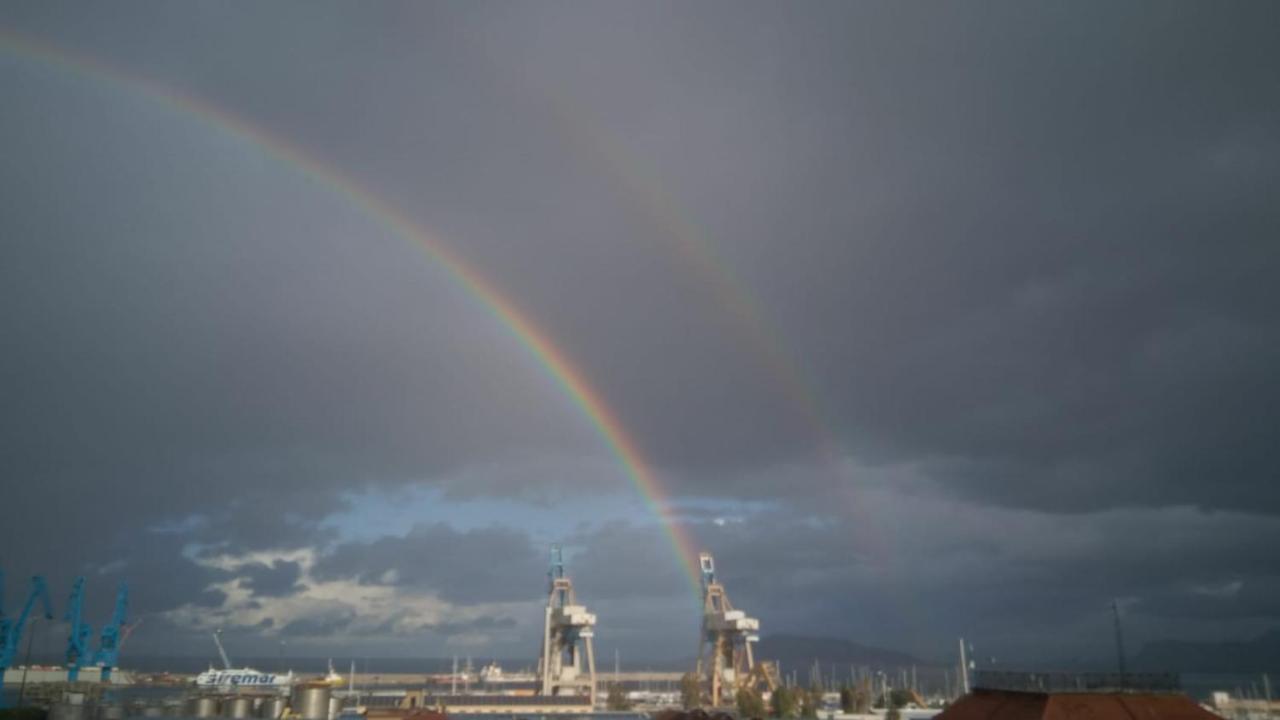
column 111, row 639
column 80, row 633
column 725, row 660
column 566, row 637
column 11, row 628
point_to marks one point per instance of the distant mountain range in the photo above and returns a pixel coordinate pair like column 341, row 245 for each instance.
column 1261, row 654
column 799, row 652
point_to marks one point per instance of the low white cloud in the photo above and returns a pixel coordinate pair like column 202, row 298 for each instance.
column 1222, row 590
column 335, row 608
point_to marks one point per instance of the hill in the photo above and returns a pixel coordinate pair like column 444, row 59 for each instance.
column 1260, row 654
column 799, row 651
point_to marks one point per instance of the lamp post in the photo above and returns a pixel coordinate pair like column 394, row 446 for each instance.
column 884, row 689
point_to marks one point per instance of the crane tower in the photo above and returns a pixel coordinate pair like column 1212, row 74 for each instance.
column 566, row 638
column 108, row 654
column 11, row 628
column 80, row 633
column 725, row 661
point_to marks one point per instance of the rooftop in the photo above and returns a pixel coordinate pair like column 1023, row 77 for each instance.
column 1075, row 696
column 1061, row 682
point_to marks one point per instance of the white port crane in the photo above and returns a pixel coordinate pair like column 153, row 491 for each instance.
column 566, row 638
column 725, row 660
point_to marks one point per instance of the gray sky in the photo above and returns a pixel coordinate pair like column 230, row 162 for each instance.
column 1019, row 257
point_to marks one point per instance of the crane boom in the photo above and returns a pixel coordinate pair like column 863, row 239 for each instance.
column 108, row 654
column 222, row 653
column 11, row 630
column 79, row 634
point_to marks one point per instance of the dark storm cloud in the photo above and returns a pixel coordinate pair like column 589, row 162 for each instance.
column 209, row 598
column 1230, row 599
column 160, row 575
column 1020, row 580
column 278, row 579
column 623, row 561
column 320, row 625
column 174, row 348
column 1024, row 249
column 481, row 565
column 478, row 624
column 1012, row 244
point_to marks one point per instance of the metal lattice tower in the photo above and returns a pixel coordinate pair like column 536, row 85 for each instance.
column 725, row 660
column 108, row 654
column 80, row 632
column 566, row 638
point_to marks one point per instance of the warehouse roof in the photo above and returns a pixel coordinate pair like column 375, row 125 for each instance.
column 984, row 704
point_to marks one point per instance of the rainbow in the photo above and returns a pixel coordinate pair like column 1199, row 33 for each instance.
column 695, row 253
column 646, row 193
column 536, row 342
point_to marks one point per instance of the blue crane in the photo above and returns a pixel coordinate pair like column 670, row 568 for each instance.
column 80, row 632
column 11, row 630
column 108, row 654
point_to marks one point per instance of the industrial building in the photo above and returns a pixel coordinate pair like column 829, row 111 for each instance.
column 1072, row 696
column 489, row 704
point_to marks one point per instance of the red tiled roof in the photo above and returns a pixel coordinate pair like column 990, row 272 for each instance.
column 1004, row 705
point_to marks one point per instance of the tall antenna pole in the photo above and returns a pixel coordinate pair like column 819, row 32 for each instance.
column 1115, row 609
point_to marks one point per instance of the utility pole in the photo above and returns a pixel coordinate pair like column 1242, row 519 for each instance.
column 26, row 663
column 964, row 670
column 1115, row 609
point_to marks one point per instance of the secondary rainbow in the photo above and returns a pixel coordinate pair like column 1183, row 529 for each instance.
column 647, row 194
column 695, row 252
column 551, row 358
